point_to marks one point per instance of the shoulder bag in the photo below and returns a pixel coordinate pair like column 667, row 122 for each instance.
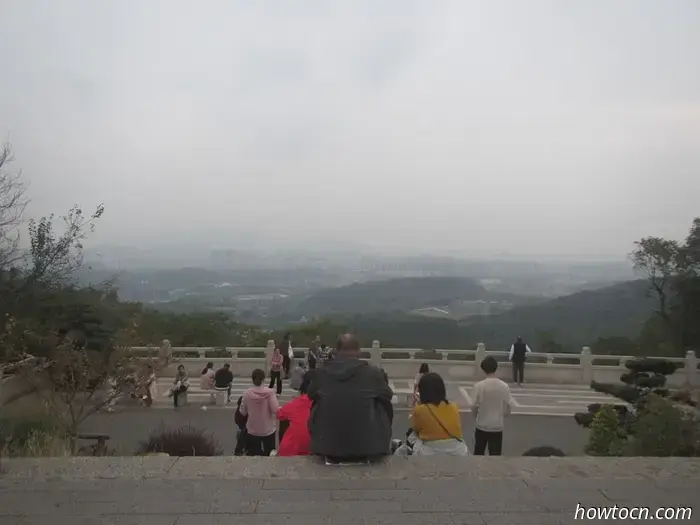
column 441, row 425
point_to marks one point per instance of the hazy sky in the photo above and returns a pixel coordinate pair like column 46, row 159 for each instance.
column 529, row 127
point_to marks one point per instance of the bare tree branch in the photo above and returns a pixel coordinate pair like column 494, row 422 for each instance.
column 13, row 202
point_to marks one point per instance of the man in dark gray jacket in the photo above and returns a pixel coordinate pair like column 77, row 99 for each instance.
column 351, row 415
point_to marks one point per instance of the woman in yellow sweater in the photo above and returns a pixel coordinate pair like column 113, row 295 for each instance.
column 436, row 421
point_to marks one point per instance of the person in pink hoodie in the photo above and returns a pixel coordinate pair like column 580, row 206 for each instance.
column 260, row 405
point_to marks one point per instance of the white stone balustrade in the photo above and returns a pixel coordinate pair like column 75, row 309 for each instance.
column 453, row 365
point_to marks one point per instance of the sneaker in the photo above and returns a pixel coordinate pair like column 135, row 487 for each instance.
column 273, row 453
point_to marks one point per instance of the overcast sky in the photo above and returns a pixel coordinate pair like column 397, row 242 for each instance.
column 534, row 128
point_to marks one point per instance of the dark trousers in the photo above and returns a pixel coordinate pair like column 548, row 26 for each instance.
column 276, row 377
column 286, row 364
column 260, row 445
column 518, row 371
column 177, row 392
column 491, row 440
column 241, row 442
column 312, row 363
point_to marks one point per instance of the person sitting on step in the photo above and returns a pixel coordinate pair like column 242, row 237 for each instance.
column 296, row 440
column 181, row 384
column 436, row 422
column 223, row 379
column 351, row 413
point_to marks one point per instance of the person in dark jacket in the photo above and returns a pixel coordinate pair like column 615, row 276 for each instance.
column 351, row 413
column 223, row 379
column 518, row 355
column 242, row 434
column 284, row 349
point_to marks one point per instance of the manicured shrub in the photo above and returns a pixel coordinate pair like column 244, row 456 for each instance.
column 181, row 441
column 665, row 430
column 606, row 437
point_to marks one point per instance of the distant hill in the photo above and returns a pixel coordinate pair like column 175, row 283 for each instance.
column 574, row 321
column 392, row 295
column 577, row 319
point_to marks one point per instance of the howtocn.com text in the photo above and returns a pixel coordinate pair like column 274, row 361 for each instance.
column 632, row 513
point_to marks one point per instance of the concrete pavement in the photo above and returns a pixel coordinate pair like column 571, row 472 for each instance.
column 300, row 491
column 128, row 427
column 530, row 398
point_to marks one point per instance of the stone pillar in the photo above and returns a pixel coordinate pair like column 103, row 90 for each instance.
column 376, row 354
column 586, row 365
column 480, row 355
column 268, row 354
column 165, row 353
column 691, row 369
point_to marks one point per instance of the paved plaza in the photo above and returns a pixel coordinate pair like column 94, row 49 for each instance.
column 438, row 490
column 530, row 398
column 127, row 427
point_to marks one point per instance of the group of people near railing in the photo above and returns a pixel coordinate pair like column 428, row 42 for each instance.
column 344, row 411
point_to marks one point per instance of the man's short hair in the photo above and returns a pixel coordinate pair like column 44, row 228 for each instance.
column 258, row 376
column 348, row 343
column 489, row 365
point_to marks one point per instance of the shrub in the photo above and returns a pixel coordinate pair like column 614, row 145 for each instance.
column 218, row 353
column 32, row 438
column 663, row 429
column 606, row 437
column 185, row 354
column 182, row 441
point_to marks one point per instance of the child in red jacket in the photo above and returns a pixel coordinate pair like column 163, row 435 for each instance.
column 297, row 440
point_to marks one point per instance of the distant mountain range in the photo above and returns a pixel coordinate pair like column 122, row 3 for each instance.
column 573, row 321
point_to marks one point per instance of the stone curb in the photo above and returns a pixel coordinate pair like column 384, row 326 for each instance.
column 85, row 468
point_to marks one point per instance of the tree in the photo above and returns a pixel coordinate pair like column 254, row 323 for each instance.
column 74, row 381
column 673, row 273
column 12, row 204
column 658, row 259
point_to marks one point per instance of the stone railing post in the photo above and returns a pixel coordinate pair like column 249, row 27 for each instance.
column 691, row 369
column 586, row 365
column 165, row 353
column 268, row 354
column 376, row 354
column 480, row 355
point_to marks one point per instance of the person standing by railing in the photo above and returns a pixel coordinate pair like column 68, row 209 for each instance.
column 312, row 358
column 287, row 352
column 518, row 356
column 276, row 370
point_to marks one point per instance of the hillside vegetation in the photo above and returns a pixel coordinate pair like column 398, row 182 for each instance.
column 392, row 295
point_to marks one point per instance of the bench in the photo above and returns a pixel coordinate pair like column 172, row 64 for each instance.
column 403, row 394
column 220, row 396
column 100, row 448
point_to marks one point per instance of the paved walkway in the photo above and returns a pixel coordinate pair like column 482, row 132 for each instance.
column 292, row 491
column 531, row 399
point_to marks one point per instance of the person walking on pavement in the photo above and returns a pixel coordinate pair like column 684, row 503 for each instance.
column 518, row 355
column 287, row 352
column 276, row 370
